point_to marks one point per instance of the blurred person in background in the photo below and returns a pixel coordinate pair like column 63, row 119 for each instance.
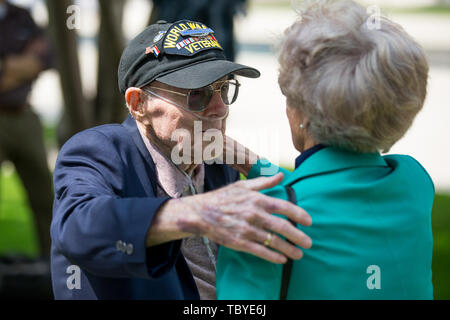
column 351, row 91
column 24, row 53
column 218, row 14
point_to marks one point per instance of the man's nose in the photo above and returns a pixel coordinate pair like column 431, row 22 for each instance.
column 216, row 107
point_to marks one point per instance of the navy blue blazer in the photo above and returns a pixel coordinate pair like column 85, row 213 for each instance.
column 105, row 201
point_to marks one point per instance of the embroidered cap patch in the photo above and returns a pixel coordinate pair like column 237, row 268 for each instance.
column 187, row 38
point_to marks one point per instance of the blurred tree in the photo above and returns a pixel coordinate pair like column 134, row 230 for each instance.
column 216, row 14
column 109, row 103
column 75, row 116
column 80, row 113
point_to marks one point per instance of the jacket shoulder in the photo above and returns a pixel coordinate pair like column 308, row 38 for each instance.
column 109, row 132
column 411, row 166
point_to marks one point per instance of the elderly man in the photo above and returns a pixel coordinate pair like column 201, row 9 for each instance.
column 130, row 224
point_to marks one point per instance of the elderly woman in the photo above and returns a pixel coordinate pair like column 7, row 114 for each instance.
column 351, row 92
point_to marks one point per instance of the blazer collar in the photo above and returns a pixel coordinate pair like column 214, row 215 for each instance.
column 332, row 159
column 130, row 125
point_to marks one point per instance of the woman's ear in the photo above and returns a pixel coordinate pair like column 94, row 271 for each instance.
column 135, row 102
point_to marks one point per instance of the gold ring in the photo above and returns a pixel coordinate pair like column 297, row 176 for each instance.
column 268, row 239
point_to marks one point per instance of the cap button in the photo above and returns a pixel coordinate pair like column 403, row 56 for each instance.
column 161, row 21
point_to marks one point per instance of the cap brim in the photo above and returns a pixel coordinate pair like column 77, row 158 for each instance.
column 204, row 73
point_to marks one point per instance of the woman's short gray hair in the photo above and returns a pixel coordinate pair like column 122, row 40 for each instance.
column 359, row 87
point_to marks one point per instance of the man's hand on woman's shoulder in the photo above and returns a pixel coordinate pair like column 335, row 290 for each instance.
column 236, row 216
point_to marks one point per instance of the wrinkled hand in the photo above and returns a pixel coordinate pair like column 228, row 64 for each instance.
column 239, row 217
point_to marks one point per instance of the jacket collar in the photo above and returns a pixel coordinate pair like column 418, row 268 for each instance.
column 331, row 159
column 307, row 153
column 130, row 125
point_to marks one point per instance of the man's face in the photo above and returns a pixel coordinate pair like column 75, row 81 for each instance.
column 161, row 118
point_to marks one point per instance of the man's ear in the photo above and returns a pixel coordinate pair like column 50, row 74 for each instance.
column 135, row 102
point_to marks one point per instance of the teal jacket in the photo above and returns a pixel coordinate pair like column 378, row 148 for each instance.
column 371, row 232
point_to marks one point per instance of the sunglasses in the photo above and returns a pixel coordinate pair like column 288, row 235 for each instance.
column 198, row 99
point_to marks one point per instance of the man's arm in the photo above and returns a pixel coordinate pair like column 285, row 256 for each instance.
column 92, row 225
column 242, row 157
column 236, row 216
column 248, row 163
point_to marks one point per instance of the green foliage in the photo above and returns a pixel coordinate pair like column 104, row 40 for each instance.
column 17, row 231
column 437, row 9
column 50, row 136
column 441, row 248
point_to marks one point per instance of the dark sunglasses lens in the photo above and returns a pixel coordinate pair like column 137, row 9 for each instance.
column 229, row 92
column 199, row 98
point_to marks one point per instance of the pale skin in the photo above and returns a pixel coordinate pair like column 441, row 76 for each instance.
column 236, row 216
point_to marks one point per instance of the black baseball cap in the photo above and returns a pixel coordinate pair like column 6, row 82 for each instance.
column 184, row 54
